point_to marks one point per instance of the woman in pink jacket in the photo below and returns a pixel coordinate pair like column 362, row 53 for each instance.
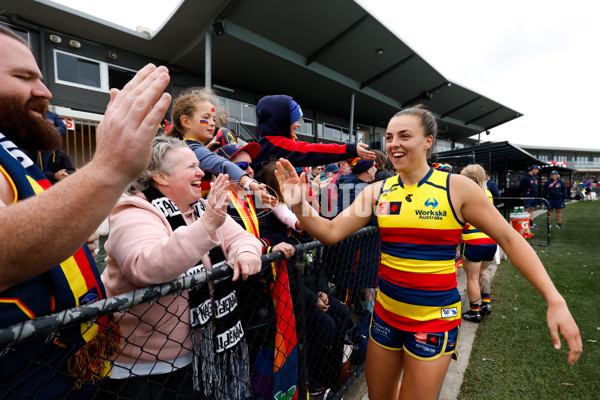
column 159, row 232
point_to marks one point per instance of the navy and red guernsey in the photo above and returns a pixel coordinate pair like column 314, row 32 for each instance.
column 276, row 140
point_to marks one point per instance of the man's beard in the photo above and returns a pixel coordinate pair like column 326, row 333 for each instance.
column 28, row 131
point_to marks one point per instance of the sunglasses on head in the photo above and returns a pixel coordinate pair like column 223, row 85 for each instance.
column 243, row 164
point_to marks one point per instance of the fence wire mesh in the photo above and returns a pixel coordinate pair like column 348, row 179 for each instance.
column 298, row 327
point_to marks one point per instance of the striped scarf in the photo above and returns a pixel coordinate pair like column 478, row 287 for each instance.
column 72, row 283
column 221, row 360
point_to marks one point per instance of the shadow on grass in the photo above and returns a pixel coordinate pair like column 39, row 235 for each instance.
column 513, row 356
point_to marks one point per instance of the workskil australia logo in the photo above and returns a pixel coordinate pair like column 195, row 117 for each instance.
column 430, row 211
column 431, row 202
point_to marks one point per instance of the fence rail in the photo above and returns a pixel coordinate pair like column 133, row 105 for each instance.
column 336, row 346
column 345, row 363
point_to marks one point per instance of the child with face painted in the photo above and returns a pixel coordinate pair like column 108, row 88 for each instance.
column 194, row 120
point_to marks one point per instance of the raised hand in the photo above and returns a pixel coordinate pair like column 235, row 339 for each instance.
column 364, row 153
column 291, row 185
column 216, row 204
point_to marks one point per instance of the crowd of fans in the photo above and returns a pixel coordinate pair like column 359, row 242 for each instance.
column 197, row 197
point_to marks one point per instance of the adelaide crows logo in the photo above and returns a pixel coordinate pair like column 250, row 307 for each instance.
column 431, row 202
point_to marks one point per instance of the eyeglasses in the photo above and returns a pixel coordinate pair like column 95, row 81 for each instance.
column 320, row 169
column 243, row 164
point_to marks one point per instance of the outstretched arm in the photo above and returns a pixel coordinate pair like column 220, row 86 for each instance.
column 327, row 231
column 77, row 206
column 478, row 211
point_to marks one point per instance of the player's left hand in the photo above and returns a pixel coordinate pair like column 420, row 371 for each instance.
column 560, row 321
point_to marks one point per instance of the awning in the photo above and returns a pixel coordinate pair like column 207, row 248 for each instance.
column 320, row 52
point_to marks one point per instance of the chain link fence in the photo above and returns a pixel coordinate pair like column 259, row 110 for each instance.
column 298, row 327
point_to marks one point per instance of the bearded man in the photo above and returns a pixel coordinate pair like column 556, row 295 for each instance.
column 40, row 276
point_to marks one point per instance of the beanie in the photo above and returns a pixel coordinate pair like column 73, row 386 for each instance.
column 442, row 167
column 359, row 165
column 295, row 112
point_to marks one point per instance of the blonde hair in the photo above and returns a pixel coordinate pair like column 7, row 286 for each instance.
column 186, row 105
column 476, row 173
column 159, row 162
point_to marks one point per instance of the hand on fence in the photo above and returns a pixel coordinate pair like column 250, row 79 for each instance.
column 216, row 204
column 285, row 248
column 132, row 117
column 291, row 186
column 246, row 264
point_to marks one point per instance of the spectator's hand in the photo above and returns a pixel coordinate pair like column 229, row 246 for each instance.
column 323, row 184
column 324, row 297
column 260, row 191
column 246, row 263
column 314, row 185
column 321, row 305
column 560, row 321
column 216, row 204
column 213, row 145
column 299, row 226
column 92, row 241
column 124, row 137
column 60, row 175
column 363, row 152
column 290, row 184
column 317, row 184
column 286, row 248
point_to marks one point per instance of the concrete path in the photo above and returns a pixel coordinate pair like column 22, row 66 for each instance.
column 454, row 376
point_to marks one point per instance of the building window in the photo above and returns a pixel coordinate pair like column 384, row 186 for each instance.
column 19, row 31
column 360, row 136
column 118, row 77
column 542, row 157
column 249, row 114
column 239, row 112
column 88, row 73
column 306, row 127
column 80, row 71
column 332, row 132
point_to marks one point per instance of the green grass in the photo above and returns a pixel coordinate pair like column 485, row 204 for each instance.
column 512, row 356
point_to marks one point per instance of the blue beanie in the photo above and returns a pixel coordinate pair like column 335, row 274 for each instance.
column 295, row 112
column 358, row 165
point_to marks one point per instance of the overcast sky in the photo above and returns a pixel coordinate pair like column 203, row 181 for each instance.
column 540, row 58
